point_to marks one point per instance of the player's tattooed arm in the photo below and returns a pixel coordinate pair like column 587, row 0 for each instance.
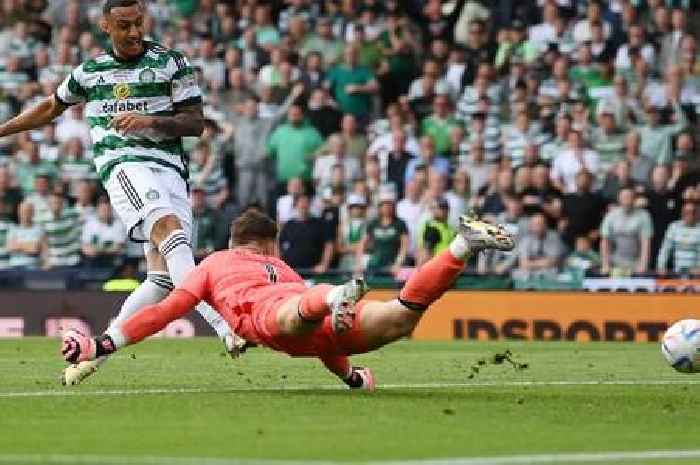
column 35, row 117
column 188, row 121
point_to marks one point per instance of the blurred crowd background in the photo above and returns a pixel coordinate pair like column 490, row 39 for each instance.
column 368, row 127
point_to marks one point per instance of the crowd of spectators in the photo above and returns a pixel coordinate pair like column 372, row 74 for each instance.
column 368, row 127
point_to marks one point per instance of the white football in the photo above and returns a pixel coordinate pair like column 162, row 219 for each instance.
column 681, row 346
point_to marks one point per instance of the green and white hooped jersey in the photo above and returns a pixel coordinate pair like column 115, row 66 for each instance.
column 155, row 84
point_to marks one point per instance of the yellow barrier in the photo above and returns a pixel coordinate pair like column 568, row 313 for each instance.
column 575, row 316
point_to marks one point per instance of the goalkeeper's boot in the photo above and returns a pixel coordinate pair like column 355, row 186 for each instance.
column 342, row 300
column 361, row 379
column 481, row 235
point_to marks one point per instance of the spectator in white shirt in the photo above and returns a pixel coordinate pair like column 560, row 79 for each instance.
column 594, row 13
column 635, row 47
column 103, row 237
column 323, row 167
column 572, row 161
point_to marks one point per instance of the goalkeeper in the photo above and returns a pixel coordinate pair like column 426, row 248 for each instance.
column 266, row 302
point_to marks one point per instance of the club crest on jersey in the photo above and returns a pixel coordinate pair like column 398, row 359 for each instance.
column 152, row 195
column 147, row 76
column 122, row 91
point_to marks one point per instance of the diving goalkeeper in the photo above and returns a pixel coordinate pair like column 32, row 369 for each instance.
column 266, row 302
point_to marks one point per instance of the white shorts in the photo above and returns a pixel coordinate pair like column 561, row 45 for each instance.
column 141, row 195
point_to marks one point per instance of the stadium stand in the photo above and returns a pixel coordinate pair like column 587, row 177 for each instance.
column 573, row 122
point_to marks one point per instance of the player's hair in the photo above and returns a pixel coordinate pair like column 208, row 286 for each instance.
column 110, row 4
column 253, row 226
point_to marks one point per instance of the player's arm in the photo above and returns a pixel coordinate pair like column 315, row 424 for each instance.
column 32, row 118
column 146, row 322
column 187, row 121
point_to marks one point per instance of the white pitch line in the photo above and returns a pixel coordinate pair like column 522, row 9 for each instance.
column 538, row 459
column 71, row 392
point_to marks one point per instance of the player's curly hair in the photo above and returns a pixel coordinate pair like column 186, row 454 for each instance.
column 253, row 226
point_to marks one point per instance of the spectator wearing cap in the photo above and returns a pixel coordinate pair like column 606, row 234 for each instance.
column 429, row 158
column 386, row 238
column 540, row 251
column 24, row 239
column 351, row 230
column 570, row 162
column 103, row 238
column 353, row 85
column 436, row 233
column 626, row 233
column 656, row 135
column 304, row 240
column 292, row 146
column 682, row 242
column 439, row 124
column 513, row 43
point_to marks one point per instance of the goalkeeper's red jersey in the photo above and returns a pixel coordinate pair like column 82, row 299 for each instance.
column 242, row 285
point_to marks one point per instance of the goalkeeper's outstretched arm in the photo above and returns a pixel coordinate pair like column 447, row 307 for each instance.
column 146, row 322
column 40, row 115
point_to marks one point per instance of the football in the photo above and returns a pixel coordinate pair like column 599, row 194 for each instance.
column 681, row 346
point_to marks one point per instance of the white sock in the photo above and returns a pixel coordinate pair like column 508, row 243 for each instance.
column 155, row 288
column 459, row 248
column 178, row 255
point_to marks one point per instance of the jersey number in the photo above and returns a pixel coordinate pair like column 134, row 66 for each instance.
column 271, row 273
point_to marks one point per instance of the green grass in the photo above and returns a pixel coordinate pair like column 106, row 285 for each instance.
column 238, row 409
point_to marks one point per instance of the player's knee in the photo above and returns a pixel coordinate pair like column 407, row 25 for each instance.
column 160, row 223
column 399, row 325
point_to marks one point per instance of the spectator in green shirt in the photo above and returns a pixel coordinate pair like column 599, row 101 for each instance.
column 353, row 85
column 292, row 145
column 438, row 125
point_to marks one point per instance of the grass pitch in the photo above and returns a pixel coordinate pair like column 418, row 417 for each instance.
column 182, row 401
